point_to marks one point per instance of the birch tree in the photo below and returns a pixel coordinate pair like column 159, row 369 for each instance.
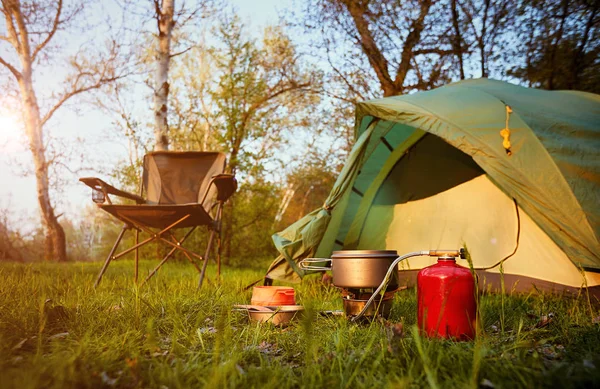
column 164, row 11
column 27, row 37
column 171, row 20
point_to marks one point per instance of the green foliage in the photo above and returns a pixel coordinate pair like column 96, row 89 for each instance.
column 57, row 331
column 252, row 216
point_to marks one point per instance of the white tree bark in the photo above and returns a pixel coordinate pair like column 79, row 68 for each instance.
column 164, row 17
column 18, row 36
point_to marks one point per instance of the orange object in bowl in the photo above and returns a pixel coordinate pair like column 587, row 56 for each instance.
column 273, row 296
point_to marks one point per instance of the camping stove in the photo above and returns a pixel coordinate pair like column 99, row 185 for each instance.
column 362, row 274
column 354, row 300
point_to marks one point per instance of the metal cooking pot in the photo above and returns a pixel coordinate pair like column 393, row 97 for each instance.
column 356, row 268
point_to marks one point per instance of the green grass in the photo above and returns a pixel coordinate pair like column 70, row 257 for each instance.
column 56, row 331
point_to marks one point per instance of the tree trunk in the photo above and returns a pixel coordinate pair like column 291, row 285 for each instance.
column 457, row 40
column 164, row 15
column 481, row 40
column 577, row 61
column 55, row 235
column 559, row 35
column 229, row 208
column 227, row 228
column 18, row 36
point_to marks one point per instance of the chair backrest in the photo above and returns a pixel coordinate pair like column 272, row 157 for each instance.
column 181, row 177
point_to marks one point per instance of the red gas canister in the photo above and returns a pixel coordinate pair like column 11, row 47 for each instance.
column 446, row 305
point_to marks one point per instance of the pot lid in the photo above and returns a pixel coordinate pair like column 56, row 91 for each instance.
column 364, row 254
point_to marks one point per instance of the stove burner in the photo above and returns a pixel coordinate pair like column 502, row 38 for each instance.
column 355, row 299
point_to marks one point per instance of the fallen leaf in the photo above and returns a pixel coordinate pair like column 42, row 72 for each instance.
column 19, row 345
column 239, row 369
column 393, row 332
column 17, row 360
column 269, row 348
column 106, row 380
column 207, row 330
column 114, row 308
column 61, row 335
column 545, row 320
column 398, row 329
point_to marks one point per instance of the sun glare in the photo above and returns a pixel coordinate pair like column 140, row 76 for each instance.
column 10, row 133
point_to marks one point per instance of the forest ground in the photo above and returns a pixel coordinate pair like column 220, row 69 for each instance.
column 57, row 331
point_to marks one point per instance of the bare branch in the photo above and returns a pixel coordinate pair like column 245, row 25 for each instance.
column 344, row 79
column 55, row 25
column 181, row 52
column 12, row 69
column 158, row 13
column 367, row 41
column 440, row 52
column 25, row 50
column 10, row 26
column 412, row 39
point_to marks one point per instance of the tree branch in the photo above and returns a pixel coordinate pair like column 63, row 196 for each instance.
column 412, row 39
column 181, row 52
column 55, row 25
column 367, row 42
column 12, row 69
column 439, row 52
column 10, row 26
column 158, row 13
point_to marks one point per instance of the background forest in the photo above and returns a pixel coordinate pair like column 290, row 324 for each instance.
column 278, row 100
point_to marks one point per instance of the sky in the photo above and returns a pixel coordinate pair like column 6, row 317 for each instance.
column 98, row 151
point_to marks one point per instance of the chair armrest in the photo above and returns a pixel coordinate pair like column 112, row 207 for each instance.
column 99, row 185
column 226, row 186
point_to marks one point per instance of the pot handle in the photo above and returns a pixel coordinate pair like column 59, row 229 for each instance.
column 306, row 264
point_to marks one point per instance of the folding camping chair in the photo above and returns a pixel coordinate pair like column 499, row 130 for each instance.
column 183, row 190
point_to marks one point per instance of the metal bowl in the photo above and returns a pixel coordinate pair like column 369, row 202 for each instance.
column 279, row 316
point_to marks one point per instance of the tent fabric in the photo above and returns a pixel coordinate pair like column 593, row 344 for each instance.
column 301, row 239
column 553, row 173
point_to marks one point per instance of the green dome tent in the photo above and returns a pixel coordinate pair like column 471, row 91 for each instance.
column 509, row 172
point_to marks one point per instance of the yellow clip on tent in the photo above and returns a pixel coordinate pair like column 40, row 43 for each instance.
column 509, row 172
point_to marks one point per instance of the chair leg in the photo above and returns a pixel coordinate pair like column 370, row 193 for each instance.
column 210, row 240
column 137, row 255
column 110, row 256
column 170, row 253
column 219, row 235
column 219, row 257
column 162, row 262
column 187, row 256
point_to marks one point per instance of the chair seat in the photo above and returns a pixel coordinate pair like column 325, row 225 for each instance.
column 160, row 216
